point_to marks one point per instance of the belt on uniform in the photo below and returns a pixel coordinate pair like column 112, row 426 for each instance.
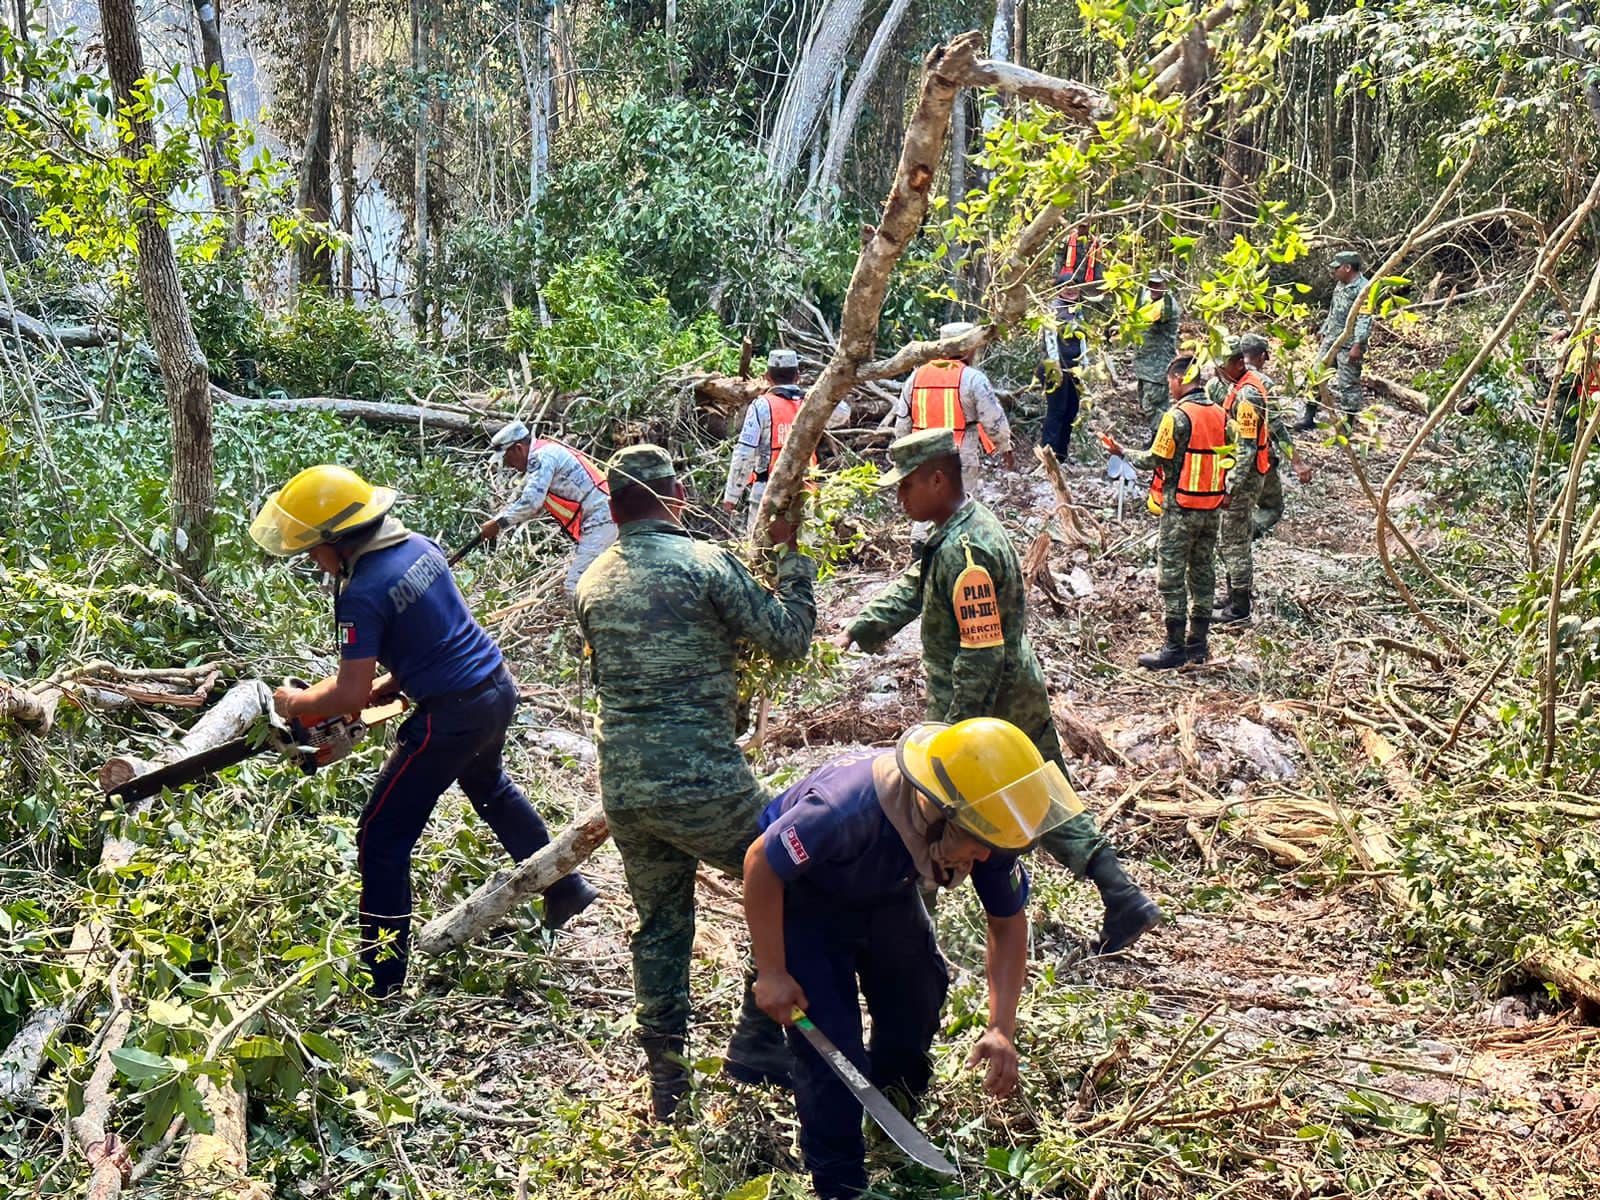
column 488, row 682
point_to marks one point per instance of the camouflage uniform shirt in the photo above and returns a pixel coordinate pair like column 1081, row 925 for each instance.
column 1344, row 297
column 664, row 615
column 1160, row 345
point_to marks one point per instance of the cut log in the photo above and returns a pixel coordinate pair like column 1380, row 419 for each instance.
column 109, row 1165
column 506, row 889
column 1079, row 527
column 214, row 1164
column 89, row 952
column 373, row 412
column 1399, row 394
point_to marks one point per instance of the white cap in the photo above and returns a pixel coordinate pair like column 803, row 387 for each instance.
column 507, row 436
column 956, row 329
column 783, row 360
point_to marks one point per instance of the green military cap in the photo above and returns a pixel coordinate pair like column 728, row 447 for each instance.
column 644, row 463
column 1253, row 343
column 1345, row 258
column 914, row 450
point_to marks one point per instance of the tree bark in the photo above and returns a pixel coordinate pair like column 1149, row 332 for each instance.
column 72, row 337
column 419, row 220
column 314, row 188
column 183, row 363
column 843, row 129
column 219, row 156
column 374, row 412
column 807, row 89
column 347, row 157
column 506, row 889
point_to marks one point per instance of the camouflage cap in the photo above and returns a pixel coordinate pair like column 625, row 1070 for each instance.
column 644, row 463
column 1345, row 258
column 915, row 450
column 1253, row 343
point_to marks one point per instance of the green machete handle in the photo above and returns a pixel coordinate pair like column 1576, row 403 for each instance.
column 800, row 1019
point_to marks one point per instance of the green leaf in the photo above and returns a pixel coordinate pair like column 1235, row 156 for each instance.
column 140, row 1065
column 323, row 1047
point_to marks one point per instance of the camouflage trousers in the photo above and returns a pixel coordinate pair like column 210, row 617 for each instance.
column 1345, row 387
column 1154, row 401
column 661, row 847
column 1074, row 842
column 1186, row 569
column 1236, row 532
column 1269, row 502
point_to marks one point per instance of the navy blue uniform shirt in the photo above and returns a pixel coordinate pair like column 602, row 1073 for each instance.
column 403, row 608
column 831, row 843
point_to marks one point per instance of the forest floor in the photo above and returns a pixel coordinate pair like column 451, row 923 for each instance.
column 1279, row 1036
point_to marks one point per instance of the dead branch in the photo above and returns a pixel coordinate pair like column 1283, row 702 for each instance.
column 374, row 412
column 1080, row 528
column 1399, row 394
column 506, row 889
column 72, row 337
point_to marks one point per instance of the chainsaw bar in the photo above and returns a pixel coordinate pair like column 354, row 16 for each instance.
column 187, row 770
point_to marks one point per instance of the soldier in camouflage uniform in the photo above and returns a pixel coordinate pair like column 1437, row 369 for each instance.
column 664, row 615
column 1245, row 402
column 1348, row 284
column 1188, row 491
column 1269, row 502
column 967, row 587
column 1159, row 347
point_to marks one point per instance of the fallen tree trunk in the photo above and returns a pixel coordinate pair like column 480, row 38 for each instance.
column 73, row 337
column 89, row 951
column 506, row 889
column 104, row 687
column 214, row 1164
column 1399, row 394
column 373, row 412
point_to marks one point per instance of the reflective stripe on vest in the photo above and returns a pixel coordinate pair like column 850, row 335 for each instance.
column 569, row 513
column 1202, row 477
column 1231, row 402
column 936, row 401
column 781, row 412
column 1069, row 265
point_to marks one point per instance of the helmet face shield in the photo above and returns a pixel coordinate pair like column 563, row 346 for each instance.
column 1013, row 818
column 279, row 533
column 989, row 780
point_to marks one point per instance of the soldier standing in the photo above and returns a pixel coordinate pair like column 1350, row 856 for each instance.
column 1348, row 284
column 1269, row 503
column 967, row 588
column 1062, row 349
column 953, row 394
column 664, row 615
column 1245, row 403
column 1159, row 347
column 766, row 427
column 1189, row 489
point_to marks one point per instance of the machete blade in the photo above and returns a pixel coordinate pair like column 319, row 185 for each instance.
column 187, row 770
column 889, row 1118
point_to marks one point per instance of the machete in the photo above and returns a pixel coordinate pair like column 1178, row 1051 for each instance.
column 892, row 1121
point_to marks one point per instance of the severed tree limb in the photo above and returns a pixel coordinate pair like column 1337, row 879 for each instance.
column 89, row 951
column 507, row 888
column 373, row 412
column 72, row 337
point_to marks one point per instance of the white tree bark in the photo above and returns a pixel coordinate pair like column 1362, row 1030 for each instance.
column 855, row 99
column 806, row 93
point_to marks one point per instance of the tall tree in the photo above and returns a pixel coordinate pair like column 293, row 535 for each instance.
column 314, row 188
column 844, row 126
column 183, row 363
column 419, row 224
column 810, row 84
column 220, row 161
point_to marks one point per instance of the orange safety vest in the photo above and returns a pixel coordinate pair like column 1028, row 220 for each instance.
column 781, row 412
column 936, row 401
column 1069, row 265
column 569, row 513
column 1263, row 439
column 1203, row 475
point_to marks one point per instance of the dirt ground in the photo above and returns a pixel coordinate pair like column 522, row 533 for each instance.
column 1275, row 1037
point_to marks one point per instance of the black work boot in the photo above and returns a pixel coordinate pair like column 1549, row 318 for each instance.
column 1195, row 649
column 565, row 899
column 1171, row 654
column 1236, row 611
column 669, row 1073
column 1130, row 914
column 758, row 1052
column 1308, row 419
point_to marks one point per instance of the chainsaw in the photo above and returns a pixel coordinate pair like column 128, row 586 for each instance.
column 310, row 743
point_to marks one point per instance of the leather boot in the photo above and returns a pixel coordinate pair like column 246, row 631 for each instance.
column 758, row 1051
column 1130, row 914
column 1195, row 649
column 1236, row 611
column 566, row 898
column 669, row 1072
column 1308, row 420
column 1171, row 654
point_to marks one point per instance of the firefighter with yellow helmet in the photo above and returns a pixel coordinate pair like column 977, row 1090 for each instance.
column 831, row 897
column 397, row 606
